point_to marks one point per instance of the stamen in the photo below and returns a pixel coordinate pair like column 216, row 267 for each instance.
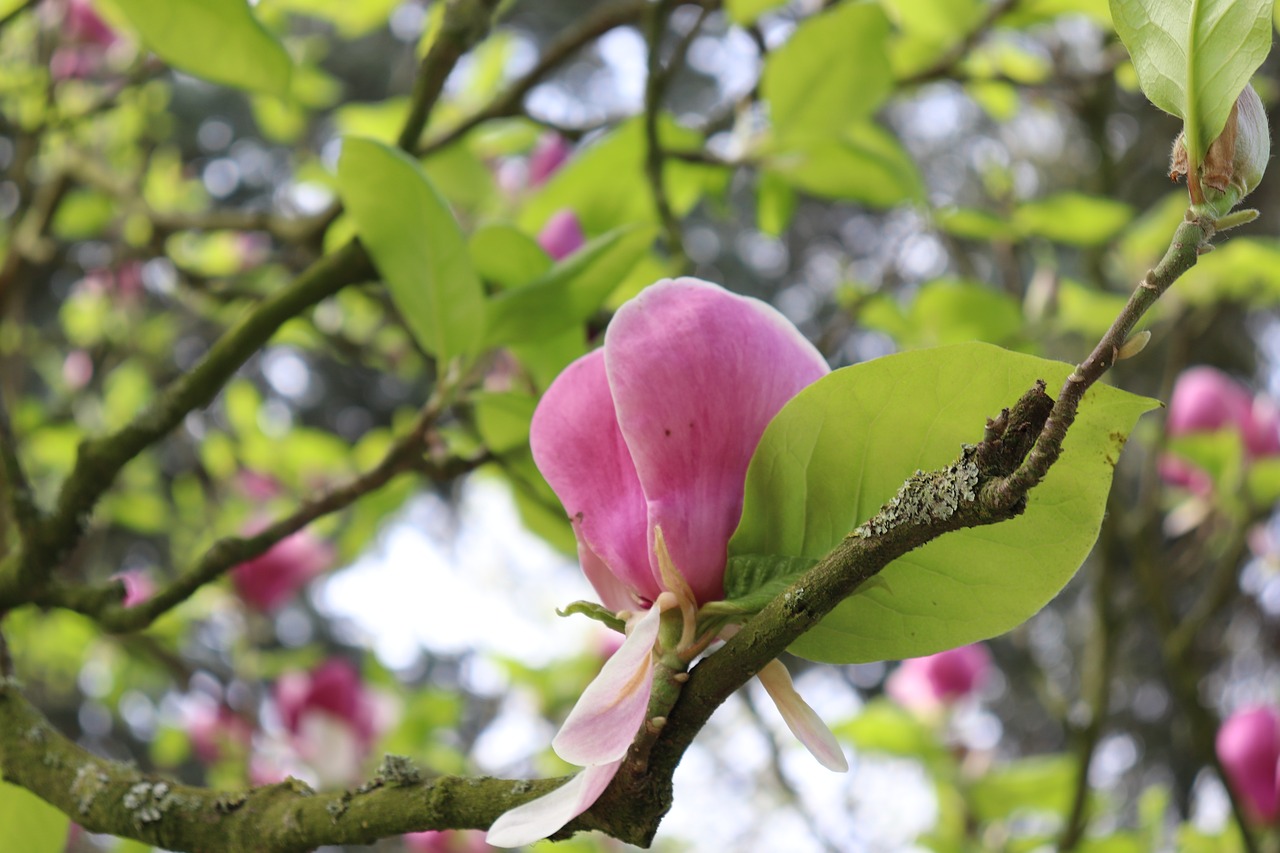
column 676, row 584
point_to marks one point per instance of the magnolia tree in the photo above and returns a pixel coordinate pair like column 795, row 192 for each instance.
column 750, row 311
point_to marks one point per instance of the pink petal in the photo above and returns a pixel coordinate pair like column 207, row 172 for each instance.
column 1204, row 400
column 601, row 727
column 539, row 818
column 696, row 374
column 579, row 448
column 803, row 721
column 562, row 235
column 1248, row 745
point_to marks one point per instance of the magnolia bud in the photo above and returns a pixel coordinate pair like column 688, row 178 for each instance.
column 1235, row 161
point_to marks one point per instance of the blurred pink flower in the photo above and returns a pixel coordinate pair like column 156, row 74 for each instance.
column 562, row 235
column 83, row 25
column 549, row 154
column 1248, row 746
column 138, row 586
column 216, row 731
column 646, row 442
column 928, row 683
column 269, row 580
column 332, row 717
column 84, row 43
column 1207, row 400
column 77, row 369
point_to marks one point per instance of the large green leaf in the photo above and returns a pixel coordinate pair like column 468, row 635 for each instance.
column 832, row 71
column 1194, row 57
column 1069, row 217
column 30, row 824
column 416, row 244
column 570, row 292
column 217, row 40
column 844, row 446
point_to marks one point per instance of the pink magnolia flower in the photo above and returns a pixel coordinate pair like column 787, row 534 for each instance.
column 1207, row 400
column 646, row 441
column 1248, row 746
column 269, row 580
column 549, row 154
column 332, row 717
column 85, row 41
column 928, row 683
column 562, row 235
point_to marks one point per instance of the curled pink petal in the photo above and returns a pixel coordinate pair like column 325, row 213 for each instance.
column 549, row 154
column 803, row 721
column 539, row 818
column 579, row 448
column 696, row 374
column 269, row 580
column 604, row 722
column 1248, row 745
column 1262, row 429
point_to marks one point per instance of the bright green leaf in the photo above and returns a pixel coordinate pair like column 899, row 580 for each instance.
column 1042, row 784
column 416, row 244
column 507, row 256
column 864, row 163
column 832, row 72
column 1075, row 218
column 570, row 293
column 217, row 40
column 745, row 12
column 1194, row 57
column 30, row 824
column 844, row 446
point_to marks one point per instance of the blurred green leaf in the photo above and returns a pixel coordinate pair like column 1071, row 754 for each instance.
column 1043, row 784
column 886, row 728
column 832, row 72
column 30, row 824
column 351, row 20
column 417, row 245
column 745, row 12
column 775, row 203
column 217, row 40
column 507, row 256
column 809, row 485
column 864, row 163
column 947, row 312
column 503, row 419
column 1074, row 218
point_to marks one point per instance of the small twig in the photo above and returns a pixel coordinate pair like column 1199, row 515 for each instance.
column 510, row 101
column 654, row 90
column 25, row 511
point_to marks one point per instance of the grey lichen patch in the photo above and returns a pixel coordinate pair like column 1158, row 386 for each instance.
column 337, row 808
column 522, row 786
column 927, row 498
column 88, row 784
column 398, row 770
column 148, row 802
column 35, row 734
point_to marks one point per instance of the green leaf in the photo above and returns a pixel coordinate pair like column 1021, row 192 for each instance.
column 775, row 203
column 1194, row 57
column 1075, row 218
column 217, row 40
column 844, row 446
column 604, row 182
column 503, row 418
column 1244, row 270
column 571, row 292
column 506, row 256
column 30, row 824
column 864, row 163
column 832, row 72
column 416, row 244
column 885, row 728
column 947, row 312
column 745, row 12
column 1040, row 784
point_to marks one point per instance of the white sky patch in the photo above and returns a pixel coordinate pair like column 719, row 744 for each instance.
column 489, row 586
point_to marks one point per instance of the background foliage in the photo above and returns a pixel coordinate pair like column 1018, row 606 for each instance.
column 892, row 175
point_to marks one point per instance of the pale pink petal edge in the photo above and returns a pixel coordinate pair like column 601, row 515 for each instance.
column 803, row 721
column 604, row 722
column 539, row 818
